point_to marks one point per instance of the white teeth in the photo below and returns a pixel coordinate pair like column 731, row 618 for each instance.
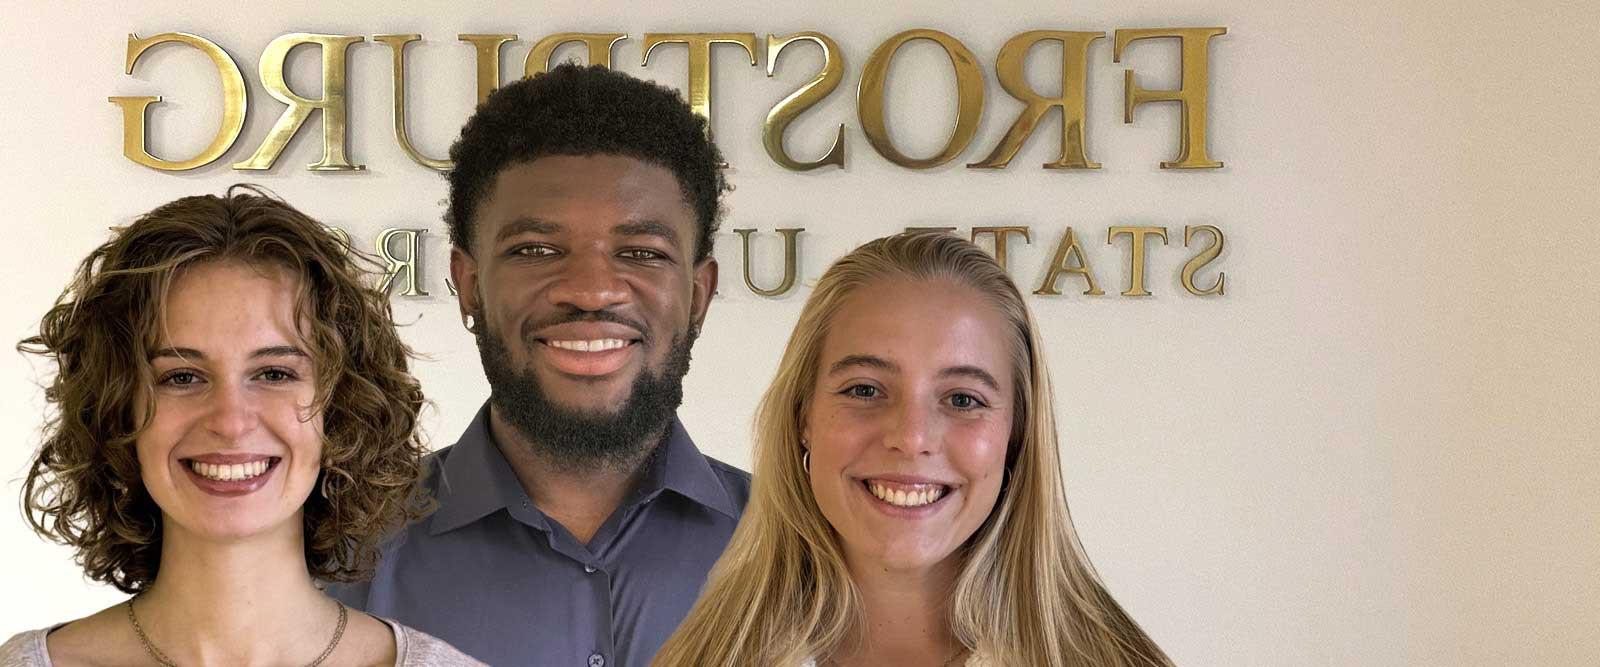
column 600, row 345
column 903, row 498
column 227, row 472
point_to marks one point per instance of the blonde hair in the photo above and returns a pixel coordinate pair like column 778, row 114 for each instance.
column 1025, row 593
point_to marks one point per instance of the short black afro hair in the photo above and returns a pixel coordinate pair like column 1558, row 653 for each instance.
column 584, row 110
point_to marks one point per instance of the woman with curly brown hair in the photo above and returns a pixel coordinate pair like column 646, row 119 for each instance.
column 235, row 422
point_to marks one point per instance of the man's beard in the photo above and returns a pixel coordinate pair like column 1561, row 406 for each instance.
column 585, row 440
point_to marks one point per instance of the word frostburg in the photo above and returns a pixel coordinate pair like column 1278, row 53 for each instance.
column 1190, row 96
column 404, row 268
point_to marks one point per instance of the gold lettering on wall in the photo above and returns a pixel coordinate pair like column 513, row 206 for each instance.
column 969, row 98
column 235, row 103
column 488, row 60
column 599, row 43
column 397, row 44
column 786, row 110
column 1191, row 94
column 1001, row 235
column 1068, row 250
column 331, row 104
column 411, row 240
column 1136, row 252
column 487, row 49
column 1074, row 94
column 790, row 263
column 699, row 43
column 1205, row 257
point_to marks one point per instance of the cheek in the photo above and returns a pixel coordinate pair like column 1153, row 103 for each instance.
column 834, row 442
column 290, row 425
column 982, row 459
column 836, row 436
column 163, row 433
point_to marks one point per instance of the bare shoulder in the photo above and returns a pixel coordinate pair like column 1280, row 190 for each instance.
column 367, row 641
column 105, row 638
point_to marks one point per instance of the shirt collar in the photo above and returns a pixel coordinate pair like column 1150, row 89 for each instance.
column 678, row 466
column 475, row 480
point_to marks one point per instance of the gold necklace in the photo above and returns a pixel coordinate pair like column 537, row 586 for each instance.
column 158, row 656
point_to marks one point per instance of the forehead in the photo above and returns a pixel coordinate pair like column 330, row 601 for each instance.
column 584, row 193
column 229, row 304
column 920, row 326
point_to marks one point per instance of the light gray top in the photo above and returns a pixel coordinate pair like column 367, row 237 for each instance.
column 412, row 648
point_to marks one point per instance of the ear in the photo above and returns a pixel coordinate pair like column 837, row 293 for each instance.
column 464, row 272
column 805, row 426
column 705, row 286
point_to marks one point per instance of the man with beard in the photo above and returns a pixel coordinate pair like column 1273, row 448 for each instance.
column 576, row 520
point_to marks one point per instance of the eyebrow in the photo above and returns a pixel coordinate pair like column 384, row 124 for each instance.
column 191, row 353
column 870, row 361
column 863, row 361
column 972, row 372
column 647, row 228
column 526, row 226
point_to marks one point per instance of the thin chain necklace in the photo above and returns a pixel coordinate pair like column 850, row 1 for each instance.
column 158, row 656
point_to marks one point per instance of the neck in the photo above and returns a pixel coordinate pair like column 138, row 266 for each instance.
column 907, row 616
column 245, row 602
column 579, row 499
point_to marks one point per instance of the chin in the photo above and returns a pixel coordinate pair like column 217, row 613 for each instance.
column 238, row 522
column 222, row 529
column 600, row 409
column 904, row 556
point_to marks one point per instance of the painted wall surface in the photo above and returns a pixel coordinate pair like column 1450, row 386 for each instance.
column 1379, row 448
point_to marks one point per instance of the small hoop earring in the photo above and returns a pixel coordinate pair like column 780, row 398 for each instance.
column 805, row 460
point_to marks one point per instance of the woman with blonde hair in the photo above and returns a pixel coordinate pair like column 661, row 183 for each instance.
column 907, row 505
column 234, row 421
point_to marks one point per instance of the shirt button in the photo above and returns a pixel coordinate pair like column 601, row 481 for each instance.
column 590, row 570
column 597, row 660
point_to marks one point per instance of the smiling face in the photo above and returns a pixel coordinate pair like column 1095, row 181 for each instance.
column 584, row 280
column 231, row 450
column 909, row 421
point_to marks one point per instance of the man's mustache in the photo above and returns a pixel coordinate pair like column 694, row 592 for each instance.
column 573, row 315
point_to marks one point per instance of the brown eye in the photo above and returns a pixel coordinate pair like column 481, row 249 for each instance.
column 642, row 254
column 180, row 379
column 532, row 251
column 965, row 402
column 862, row 391
column 277, row 375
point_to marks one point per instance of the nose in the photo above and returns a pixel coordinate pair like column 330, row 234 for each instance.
column 914, row 429
column 589, row 281
column 234, row 413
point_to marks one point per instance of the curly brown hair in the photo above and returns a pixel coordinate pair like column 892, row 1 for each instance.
column 84, row 488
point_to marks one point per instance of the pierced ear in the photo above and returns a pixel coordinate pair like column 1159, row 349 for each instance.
column 464, row 272
column 805, row 431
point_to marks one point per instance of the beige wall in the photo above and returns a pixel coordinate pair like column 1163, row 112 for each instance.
column 1378, row 449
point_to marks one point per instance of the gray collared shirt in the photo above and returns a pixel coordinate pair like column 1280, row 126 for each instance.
column 492, row 575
